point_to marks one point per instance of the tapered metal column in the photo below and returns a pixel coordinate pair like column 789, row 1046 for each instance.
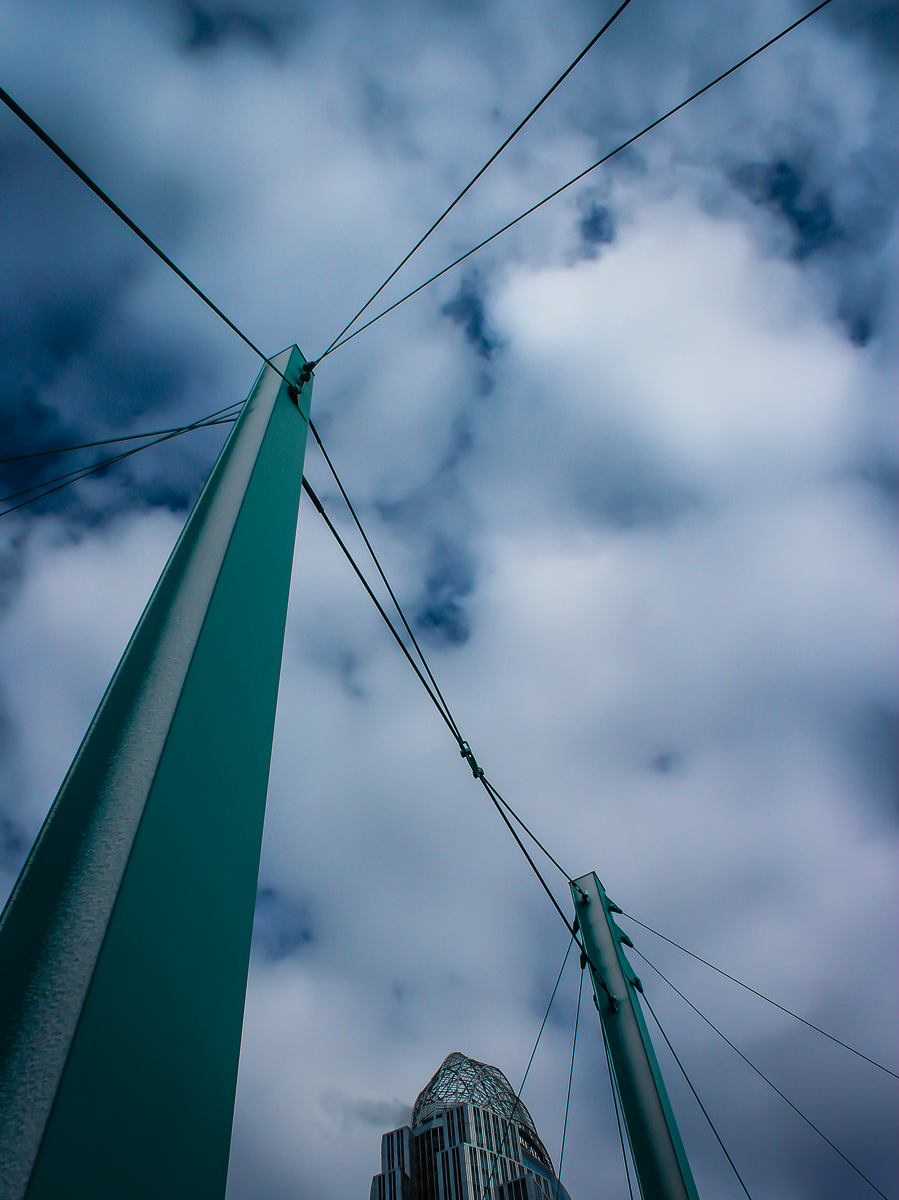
column 663, row 1171
column 125, row 945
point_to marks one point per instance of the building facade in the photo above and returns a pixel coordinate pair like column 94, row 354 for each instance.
column 470, row 1138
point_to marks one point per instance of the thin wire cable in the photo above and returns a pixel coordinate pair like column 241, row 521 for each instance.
column 114, row 458
column 445, row 709
column 488, row 787
column 493, row 157
column 577, row 1017
column 396, row 603
column 399, row 641
column 131, row 437
column 761, row 995
column 85, row 472
column 446, row 719
column 530, row 1061
column 758, row 1072
column 552, row 195
column 123, row 216
column 442, row 706
column 614, row 1090
column 696, row 1095
column 498, row 803
column 530, row 834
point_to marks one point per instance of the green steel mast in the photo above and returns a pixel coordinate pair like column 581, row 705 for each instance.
column 660, row 1161
column 124, row 947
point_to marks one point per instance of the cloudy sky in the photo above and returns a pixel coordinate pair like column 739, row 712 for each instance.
column 632, row 469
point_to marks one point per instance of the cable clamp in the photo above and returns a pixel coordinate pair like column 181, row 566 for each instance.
column 465, row 752
column 599, row 978
column 294, row 389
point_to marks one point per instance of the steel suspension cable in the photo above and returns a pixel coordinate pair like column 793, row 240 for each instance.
column 614, row 1090
column 497, row 797
column 761, row 995
column 123, row 216
column 499, row 804
column 490, row 792
column 380, row 570
column 577, row 1017
column 167, row 434
column 493, row 157
column 696, row 1096
column 74, row 477
column 319, row 508
column 130, row 437
column 486, row 1190
column 433, row 690
column 552, row 195
column 758, row 1072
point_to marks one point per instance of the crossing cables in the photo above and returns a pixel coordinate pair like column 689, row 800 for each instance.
column 344, row 337
column 342, row 341
column 45, row 488
column 493, row 157
column 751, row 1064
column 508, row 1123
column 761, row 995
column 696, row 1096
column 577, row 1019
column 439, row 703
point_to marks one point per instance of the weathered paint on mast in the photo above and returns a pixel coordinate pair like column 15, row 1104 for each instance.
column 663, row 1172
column 124, row 947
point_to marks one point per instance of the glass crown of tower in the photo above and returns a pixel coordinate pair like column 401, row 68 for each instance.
column 470, row 1138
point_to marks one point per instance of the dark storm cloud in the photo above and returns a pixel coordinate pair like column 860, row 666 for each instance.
column 874, row 742
column 14, row 844
column 596, row 225
column 281, row 925
column 73, row 363
column 450, row 580
column 877, row 22
column 209, row 26
column 467, row 309
column 780, row 185
column 666, row 762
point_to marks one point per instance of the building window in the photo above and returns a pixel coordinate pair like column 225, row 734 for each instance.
column 457, row 1173
column 425, row 1148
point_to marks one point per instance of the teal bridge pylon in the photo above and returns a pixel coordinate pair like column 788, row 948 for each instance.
column 124, row 947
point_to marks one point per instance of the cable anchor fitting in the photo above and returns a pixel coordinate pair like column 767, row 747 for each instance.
column 465, row 752
column 294, row 389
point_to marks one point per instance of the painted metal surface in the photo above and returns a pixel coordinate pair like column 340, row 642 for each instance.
column 663, row 1172
column 125, row 944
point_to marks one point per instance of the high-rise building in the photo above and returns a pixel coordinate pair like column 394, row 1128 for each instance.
column 471, row 1138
